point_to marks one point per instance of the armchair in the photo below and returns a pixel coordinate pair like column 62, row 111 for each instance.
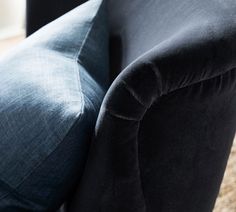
column 167, row 123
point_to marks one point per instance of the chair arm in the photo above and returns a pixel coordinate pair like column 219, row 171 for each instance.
column 112, row 173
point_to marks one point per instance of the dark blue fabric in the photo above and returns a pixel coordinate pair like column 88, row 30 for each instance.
column 51, row 89
column 167, row 122
column 166, row 126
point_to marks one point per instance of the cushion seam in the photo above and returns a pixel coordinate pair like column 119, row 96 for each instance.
column 7, row 186
column 203, row 80
column 78, row 115
column 14, row 189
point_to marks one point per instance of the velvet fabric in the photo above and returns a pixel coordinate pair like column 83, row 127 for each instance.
column 51, row 89
column 165, row 128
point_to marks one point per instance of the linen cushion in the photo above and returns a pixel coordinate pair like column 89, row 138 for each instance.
column 51, row 89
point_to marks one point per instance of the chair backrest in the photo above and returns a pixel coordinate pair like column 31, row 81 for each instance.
column 136, row 25
column 41, row 12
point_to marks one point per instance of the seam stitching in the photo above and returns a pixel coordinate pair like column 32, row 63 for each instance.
column 202, row 80
column 133, row 93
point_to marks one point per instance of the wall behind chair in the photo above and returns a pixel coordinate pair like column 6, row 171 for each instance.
column 12, row 18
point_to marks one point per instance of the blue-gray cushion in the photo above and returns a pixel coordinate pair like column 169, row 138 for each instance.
column 51, row 89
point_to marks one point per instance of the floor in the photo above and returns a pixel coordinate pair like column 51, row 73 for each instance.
column 226, row 201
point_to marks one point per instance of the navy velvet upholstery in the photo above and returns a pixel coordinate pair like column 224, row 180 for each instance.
column 51, row 89
column 166, row 126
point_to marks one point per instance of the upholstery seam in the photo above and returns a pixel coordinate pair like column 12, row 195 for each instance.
column 159, row 82
column 203, row 80
column 133, row 93
column 14, row 189
column 7, row 186
column 112, row 113
column 157, row 73
column 14, row 192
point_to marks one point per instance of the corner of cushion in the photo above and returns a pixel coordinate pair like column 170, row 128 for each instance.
column 85, row 39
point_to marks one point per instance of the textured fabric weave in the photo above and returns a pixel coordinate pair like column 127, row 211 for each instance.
column 51, row 89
